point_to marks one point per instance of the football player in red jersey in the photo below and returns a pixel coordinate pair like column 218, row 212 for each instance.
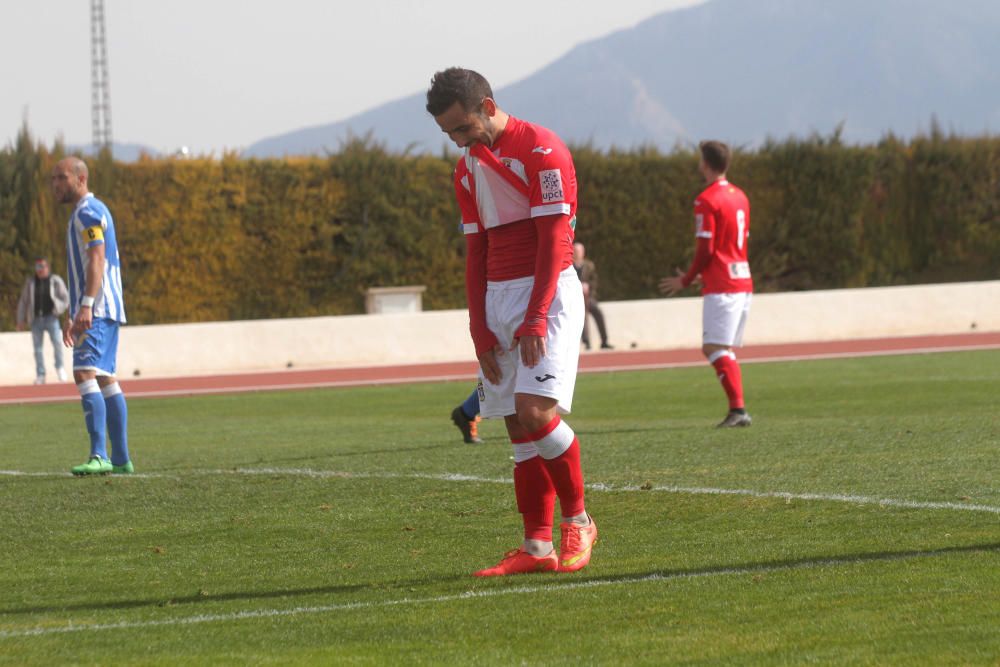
column 722, row 228
column 516, row 188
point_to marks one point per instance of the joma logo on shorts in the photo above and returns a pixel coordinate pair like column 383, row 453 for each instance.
column 546, row 377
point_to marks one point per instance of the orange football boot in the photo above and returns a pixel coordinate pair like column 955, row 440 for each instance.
column 517, row 561
column 576, row 545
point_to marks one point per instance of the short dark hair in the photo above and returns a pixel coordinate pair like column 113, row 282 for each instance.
column 716, row 155
column 456, row 84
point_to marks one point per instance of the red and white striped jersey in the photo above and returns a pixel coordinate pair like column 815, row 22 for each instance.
column 528, row 173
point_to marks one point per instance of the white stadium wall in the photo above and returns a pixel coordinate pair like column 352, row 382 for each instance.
column 403, row 338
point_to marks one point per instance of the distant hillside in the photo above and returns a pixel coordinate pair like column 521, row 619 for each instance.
column 743, row 71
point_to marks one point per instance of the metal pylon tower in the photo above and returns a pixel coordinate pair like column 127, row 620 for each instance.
column 99, row 93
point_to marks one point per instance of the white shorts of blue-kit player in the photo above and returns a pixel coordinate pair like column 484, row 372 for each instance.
column 724, row 317
column 555, row 374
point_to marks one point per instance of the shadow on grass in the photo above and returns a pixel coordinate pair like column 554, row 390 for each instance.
column 797, row 563
column 226, row 597
column 737, row 568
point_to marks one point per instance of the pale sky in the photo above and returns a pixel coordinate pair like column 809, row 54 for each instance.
column 215, row 75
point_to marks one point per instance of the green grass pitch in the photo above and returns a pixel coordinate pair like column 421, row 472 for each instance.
column 856, row 522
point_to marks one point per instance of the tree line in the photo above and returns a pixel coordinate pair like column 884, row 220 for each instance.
column 230, row 238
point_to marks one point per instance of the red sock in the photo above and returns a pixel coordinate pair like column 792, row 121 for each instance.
column 567, row 477
column 729, row 374
column 536, row 498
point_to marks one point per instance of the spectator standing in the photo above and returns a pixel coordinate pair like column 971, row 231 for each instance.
column 43, row 300
column 586, row 270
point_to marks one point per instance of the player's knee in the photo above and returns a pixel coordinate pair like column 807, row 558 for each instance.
column 80, row 377
column 709, row 349
column 532, row 420
column 534, row 415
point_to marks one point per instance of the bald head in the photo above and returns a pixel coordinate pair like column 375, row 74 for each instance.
column 69, row 180
column 579, row 252
column 74, row 164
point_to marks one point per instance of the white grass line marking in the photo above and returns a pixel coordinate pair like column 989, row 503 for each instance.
column 468, row 595
column 852, row 499
column 19, row 473
column 143, row 475
column 829, row 497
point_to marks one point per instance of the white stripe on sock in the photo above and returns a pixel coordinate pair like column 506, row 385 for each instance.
column 718, row 354
column 524, row 451
column 555, row 443
column 111, row 390
column 88, row 387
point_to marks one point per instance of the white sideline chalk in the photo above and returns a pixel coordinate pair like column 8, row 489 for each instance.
column 852, row 499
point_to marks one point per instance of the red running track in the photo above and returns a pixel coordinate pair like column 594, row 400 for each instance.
column 614, row 360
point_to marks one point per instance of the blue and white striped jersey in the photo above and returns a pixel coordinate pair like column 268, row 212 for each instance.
column 89, row 226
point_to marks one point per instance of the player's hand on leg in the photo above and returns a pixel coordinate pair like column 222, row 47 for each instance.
column 532, row 349
column 84, row 320
column 488, row 363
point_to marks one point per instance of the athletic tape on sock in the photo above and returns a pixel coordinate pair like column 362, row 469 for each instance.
column 88, row 387
column 718, row 354
column 524, row 451
column 111, row 389
column 556, row 442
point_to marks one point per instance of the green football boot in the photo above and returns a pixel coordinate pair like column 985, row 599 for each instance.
column 125, row 469
column 95, row 466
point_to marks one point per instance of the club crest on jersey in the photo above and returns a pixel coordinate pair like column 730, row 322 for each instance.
column 551, row 182
column 515, row 166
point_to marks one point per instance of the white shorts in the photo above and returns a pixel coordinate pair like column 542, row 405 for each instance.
column 555, row 374
column 723, row 318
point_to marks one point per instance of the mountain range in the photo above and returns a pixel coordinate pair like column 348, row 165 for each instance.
column 122, row 151
column 739, row 70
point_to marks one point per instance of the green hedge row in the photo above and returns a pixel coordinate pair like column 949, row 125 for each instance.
column 242, row 239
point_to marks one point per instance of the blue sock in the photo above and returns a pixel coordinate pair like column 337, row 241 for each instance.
column 471, row 405
column 94, row 415
column 117, row 411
